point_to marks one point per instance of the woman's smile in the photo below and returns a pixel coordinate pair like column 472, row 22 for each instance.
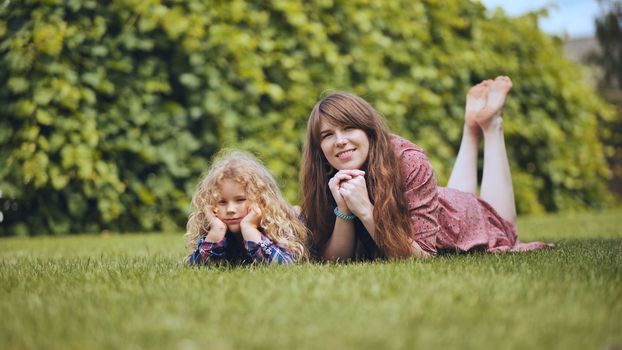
column 345, row 155
column 344, row 147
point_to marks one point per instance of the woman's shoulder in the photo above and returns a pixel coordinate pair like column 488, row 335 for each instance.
column 403, row 146
column 413, row 160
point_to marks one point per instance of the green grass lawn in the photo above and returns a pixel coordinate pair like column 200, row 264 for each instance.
column 133, row 292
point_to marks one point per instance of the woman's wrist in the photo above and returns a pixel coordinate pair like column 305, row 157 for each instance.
column 367, row 215
column 344, row 209
column 343, row 215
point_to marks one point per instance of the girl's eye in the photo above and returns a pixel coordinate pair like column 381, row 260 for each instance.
column 240, row 200
column 325, row 135
column 348, row 127
column 222, row 202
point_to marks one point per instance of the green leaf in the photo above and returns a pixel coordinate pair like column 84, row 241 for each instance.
column 17, row 84
column 43, row 117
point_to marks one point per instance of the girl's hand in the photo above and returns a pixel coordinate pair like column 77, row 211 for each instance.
column 217, row 228
column 335, row 183
column 252, row 219
column 354, row 193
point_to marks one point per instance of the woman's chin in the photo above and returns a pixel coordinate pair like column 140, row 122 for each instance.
column 348, row 166
column 351, row 162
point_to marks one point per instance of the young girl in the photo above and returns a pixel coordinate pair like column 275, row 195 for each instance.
column 240, row 217
column 368, row 193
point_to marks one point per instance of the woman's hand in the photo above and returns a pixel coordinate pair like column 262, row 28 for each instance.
column 217, row 228
column 335, row 184
column 354, row 193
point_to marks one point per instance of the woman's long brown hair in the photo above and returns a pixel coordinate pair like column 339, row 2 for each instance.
column 383, row 176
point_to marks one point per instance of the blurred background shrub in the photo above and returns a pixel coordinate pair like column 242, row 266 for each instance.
column 111, row 110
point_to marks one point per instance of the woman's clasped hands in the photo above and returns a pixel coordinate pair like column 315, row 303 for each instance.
column 349, row 189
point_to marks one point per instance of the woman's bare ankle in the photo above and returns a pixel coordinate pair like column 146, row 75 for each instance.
column 493, row 127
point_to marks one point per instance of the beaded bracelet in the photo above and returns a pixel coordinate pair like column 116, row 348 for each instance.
column 342, row 215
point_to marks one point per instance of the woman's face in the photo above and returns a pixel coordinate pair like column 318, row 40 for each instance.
column 344, row 147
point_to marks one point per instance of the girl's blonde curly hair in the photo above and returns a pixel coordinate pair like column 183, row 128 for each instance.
column 279, row 221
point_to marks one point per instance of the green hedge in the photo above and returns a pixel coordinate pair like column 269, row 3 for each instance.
column 111, row 110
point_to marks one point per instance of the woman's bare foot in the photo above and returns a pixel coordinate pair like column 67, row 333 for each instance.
column 497, row 92
column 475, row 103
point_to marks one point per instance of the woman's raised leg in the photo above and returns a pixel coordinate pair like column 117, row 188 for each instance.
column 464, row 173
column 496, row 187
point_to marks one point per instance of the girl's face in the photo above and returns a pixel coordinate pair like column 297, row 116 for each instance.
column 232, row 205
column 344, row 147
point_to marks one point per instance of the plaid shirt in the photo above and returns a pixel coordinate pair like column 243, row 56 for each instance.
column 227, row 250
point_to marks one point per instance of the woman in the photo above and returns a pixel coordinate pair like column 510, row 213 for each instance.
column 382, row 199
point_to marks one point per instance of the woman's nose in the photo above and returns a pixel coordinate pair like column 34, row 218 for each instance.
column 340, row 139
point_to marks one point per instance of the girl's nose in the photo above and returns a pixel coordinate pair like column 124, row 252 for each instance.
column 231, row 208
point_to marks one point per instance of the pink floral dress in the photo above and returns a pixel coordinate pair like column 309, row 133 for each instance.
column 446, row 219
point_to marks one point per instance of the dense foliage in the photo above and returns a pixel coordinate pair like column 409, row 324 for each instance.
column 111, row 110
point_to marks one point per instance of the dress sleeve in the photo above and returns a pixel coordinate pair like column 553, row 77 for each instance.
column 421, row 196
column 208, row 252
column 266, row 251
